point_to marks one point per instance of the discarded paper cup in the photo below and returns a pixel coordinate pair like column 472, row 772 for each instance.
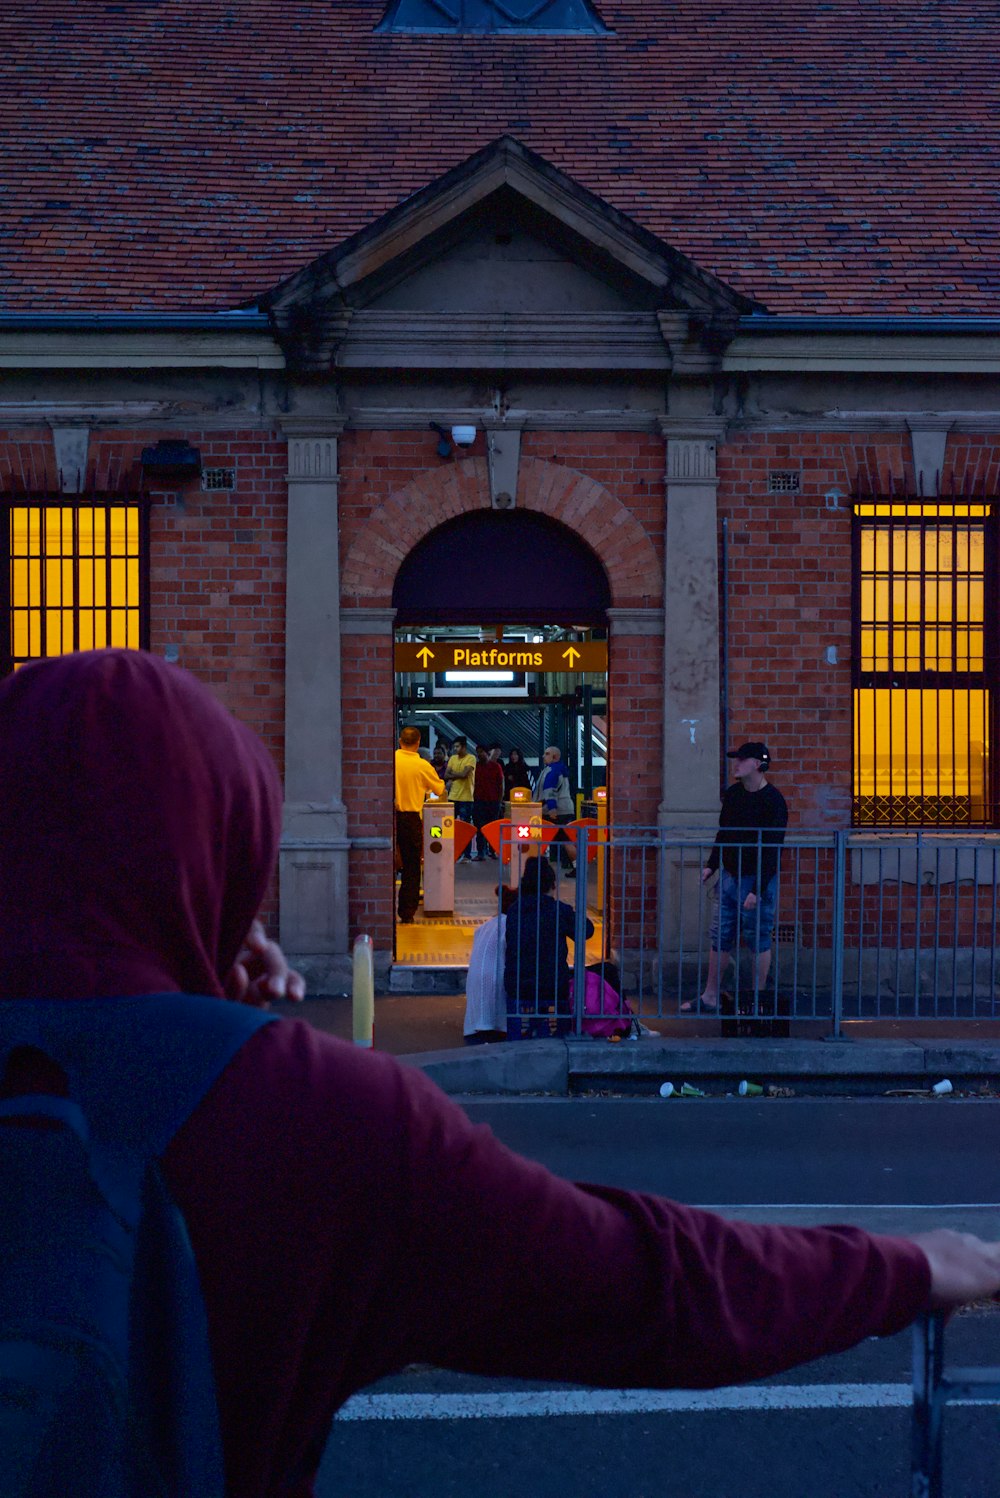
column 942, row 1087
column 749, row 1089
column 688, row 1091
column 666, row 1089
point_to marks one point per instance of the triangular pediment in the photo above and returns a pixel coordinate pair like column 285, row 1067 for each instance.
column 504, row 236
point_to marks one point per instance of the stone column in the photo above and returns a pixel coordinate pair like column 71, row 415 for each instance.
column 691, row 634
column 690, row 676
column 314, row 846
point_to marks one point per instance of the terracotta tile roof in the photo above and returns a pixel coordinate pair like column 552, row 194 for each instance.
column 190, row 154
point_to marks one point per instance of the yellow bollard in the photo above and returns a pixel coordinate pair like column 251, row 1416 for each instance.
column 363, row 995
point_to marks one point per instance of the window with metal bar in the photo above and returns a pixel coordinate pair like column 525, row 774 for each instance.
column 75, row 579
column 924, row 663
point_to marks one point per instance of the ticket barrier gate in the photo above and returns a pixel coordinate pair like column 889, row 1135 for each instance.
column 527, row 835
column 446, row 838
column 439, row 857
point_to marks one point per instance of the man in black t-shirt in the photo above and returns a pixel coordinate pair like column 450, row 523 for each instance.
column 751, row 831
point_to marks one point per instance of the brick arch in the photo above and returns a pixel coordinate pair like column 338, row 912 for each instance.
column 553, row 489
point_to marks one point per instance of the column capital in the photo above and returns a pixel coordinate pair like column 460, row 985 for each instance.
column 691, row 460
column 312, row 449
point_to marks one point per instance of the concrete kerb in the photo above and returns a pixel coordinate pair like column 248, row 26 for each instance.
column 559, row 1067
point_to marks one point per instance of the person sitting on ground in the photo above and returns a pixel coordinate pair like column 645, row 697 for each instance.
column 536, row 968
column 485, row 997
column 347, row 1219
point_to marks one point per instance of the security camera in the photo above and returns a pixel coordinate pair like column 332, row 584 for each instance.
column 463, row 436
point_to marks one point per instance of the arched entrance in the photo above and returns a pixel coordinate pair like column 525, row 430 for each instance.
column 587, row 552
column 496, row 614
column 502, row 567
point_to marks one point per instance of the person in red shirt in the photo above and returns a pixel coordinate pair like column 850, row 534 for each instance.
column 346, row 1217
column 487, row 799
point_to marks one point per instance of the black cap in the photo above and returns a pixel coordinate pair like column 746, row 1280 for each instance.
column 752, row 751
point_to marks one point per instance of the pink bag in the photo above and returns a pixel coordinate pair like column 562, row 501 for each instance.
column 605, row 1012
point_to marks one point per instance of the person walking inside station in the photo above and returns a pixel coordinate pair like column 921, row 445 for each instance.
column 516, row 773
column 345, row 1218
column 553, row 790
column 459, row 777
column 752, row 826
column 487, row 798
column 415, row 778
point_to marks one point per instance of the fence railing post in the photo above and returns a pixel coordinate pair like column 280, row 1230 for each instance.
column 363, row 993
column 839, row 914
column 580, row 932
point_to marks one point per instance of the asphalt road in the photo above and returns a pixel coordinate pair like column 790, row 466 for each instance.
column 834, row 1428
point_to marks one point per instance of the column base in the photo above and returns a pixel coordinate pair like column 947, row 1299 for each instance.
column 313, row 881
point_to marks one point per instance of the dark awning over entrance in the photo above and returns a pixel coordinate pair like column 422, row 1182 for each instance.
column 502, row 567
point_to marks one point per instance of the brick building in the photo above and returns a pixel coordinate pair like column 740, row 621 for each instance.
column 718, row 295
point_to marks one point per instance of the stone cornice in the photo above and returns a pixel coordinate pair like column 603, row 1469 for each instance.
column 367, row 621
column 522, row 340
column 693, row 428
column 635, row 622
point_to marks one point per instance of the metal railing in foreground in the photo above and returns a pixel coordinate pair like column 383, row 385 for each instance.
column 935, row 1386
column 841, row 926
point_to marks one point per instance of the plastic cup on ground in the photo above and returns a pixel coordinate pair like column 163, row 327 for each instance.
column 749, row 1089
column 666, row 1089
column 940, row 1088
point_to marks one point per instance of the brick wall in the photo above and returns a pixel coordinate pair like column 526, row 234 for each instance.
column 789, row 595
column 217, row 563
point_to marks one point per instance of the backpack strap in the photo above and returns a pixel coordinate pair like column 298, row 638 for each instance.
column 137, row 1067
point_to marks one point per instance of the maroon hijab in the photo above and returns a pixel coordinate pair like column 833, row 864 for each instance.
column 139, row 825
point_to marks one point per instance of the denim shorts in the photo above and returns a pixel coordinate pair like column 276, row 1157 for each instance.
column 731, row 922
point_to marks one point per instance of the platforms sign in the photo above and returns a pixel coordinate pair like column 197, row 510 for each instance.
column 513, row 655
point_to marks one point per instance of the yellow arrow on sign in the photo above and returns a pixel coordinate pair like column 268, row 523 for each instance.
column 571, row 655
column 425, row 655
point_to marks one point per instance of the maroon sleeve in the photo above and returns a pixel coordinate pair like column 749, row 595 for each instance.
column 348, row 1219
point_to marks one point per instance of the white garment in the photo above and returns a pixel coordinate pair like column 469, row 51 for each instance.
column 485, row 998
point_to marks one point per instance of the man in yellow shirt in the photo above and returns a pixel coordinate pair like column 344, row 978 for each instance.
column 415, row 779
column 460, row 776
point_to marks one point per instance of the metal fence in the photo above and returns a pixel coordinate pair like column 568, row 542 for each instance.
column 934, row 1387
column 842, row 926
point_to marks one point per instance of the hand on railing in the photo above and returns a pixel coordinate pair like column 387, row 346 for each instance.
column 963, row 1267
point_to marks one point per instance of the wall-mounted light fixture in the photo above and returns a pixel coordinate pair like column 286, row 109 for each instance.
column 444, row 441
column 170, row 462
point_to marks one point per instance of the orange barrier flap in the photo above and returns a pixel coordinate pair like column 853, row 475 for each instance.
column 464, row 833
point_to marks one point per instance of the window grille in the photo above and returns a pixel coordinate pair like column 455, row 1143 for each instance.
column 924, row 663
column 784, row 481
column 76, row 578
column 218, row 478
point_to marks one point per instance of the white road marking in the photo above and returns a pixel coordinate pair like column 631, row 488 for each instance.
column 544, row 1403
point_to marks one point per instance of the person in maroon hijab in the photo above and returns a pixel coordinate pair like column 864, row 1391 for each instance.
column 346, row 1217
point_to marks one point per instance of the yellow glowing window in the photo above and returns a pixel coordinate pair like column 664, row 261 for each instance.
column 923, row 664
column 75, row 579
